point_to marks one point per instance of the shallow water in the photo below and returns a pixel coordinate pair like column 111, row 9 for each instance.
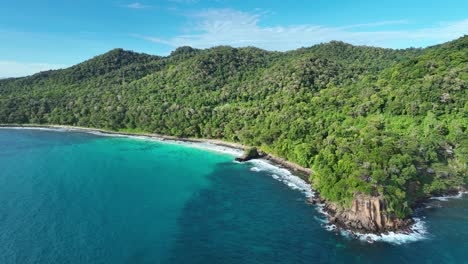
column 68, row 197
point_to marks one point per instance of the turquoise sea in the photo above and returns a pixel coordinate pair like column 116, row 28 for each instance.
column 72, row 197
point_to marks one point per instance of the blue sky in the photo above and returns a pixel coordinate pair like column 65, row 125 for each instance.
column 48, row 34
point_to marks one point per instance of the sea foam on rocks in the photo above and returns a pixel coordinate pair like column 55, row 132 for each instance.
column 447, row 197
column 417, row 231
column 282, row 175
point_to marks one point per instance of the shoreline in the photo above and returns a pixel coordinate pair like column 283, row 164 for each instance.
column 294, row 169
column 300, row 171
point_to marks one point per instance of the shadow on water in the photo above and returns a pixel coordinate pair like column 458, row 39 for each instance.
column 247, row 217
column 178, row 205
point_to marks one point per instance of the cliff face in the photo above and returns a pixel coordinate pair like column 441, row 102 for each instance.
column 367, row 214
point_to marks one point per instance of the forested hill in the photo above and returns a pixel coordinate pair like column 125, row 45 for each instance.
column 366, row 120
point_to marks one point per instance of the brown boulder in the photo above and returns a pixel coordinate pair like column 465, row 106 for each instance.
column 367, row 214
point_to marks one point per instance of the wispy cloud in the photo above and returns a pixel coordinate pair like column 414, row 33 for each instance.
column 185, row 1
column 231, row 27
column 137, row 5
column 19, row 69
column 378, row 24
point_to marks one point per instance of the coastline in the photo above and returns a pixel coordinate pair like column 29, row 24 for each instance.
column 301, row 172
column 414, row 231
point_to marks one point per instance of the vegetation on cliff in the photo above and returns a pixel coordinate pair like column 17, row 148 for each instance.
column 381, row 122
column 249, row 153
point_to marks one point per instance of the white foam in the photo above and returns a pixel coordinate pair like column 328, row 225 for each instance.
column 440, row 198
column 35, row 128
column 199, row 145
column 417, row 232
column 319, row 208
column 446, row 198
column 210, row 147
column 283, row 175
column 322, row 220
column 103, row 134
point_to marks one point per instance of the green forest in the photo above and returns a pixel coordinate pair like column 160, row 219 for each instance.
column 382, row 122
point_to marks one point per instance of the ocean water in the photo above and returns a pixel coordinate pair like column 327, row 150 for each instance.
column 70, row 197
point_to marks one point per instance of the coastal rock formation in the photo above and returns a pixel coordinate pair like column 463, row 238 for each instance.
column 303, row 172
column 250, row 153
column 367, row 214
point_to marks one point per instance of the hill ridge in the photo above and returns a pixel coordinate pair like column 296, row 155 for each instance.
column 372, row 121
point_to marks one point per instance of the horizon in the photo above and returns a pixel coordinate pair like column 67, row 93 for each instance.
column 38, row 37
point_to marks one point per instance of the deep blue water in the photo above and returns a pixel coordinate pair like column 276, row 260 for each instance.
column 69, row 197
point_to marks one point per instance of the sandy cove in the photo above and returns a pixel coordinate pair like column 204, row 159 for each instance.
column 301, row 171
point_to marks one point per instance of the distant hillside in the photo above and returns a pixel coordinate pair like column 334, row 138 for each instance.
column 372, row 121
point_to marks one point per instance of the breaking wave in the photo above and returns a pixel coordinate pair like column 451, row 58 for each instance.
column 282, row 175
column 418, row 230
column 446, row 198
column 199, row 145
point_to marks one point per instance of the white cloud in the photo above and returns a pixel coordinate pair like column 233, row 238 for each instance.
column 185, row 1
column 19, row 69
column 230, row 27
column 137, row 5
column 378, row 24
